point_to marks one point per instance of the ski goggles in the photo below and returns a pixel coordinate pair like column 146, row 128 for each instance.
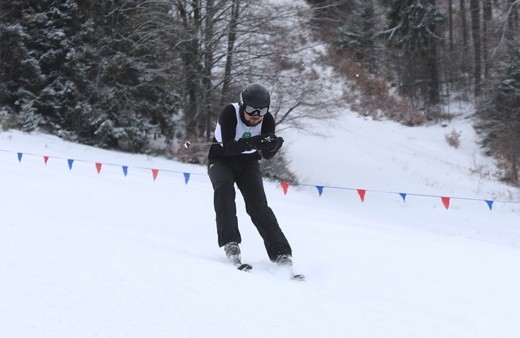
column 252, row 111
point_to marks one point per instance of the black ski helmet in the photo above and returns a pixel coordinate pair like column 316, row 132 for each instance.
column 255, row 95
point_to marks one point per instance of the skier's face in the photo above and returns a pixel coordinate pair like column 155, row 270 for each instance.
column 253, row 119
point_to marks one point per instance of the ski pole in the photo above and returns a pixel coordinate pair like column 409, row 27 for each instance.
column 188, row 144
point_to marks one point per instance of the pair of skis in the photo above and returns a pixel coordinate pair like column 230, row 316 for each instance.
column 292, row 276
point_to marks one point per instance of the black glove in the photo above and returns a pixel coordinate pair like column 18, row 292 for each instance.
column 274, row 144
column 269, row 151
column 244, row 144
column 280, row 142
column 256, row 141
column 267, row 142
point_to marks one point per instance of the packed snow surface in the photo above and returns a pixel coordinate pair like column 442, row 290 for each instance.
column 87, row 251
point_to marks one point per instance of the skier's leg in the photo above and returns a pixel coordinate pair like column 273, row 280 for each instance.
column 223, row 180
column 252, row 188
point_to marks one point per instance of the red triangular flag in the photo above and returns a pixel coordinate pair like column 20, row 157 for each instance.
column 446, row 202
column 45, row 159
column 98, row 167
column 361, row 193
column 155, row 172
column 285, row 187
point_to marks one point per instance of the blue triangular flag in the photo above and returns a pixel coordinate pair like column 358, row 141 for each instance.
column 186, row 178
column 125, row 170
column 20, row 157
column 320, row 189
column 70, row 163
column 403, row 196
column 490, row 204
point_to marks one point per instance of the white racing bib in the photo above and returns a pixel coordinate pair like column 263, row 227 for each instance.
column 241, row 129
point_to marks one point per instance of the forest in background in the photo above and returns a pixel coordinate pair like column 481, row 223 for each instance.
column 140, row 76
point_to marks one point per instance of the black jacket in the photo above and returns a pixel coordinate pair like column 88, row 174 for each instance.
column 229, row 148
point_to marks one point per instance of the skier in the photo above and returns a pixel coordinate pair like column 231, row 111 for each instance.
column 243, row 135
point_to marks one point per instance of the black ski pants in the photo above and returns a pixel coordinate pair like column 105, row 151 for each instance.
column 246, row 174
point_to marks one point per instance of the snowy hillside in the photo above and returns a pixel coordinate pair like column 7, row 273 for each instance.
column 87, row 251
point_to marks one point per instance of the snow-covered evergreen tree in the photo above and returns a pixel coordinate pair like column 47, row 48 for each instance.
column 412, row 36
column 499, row 117
column 21, row 76
column 70, row 66
column 129, row 84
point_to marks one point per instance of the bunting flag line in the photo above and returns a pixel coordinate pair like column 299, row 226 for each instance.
column 99, row 165
column 446, row 200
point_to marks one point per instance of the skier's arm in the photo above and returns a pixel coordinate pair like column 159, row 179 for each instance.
column 228, row 122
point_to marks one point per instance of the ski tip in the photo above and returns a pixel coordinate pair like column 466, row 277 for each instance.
column 244, row 267
column 298, row 278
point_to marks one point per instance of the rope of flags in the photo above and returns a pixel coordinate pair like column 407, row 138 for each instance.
column 446, row 200
column 99, row 165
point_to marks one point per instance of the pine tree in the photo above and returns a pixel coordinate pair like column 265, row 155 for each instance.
column 412, row 36
column 70, row 66
column 123, row 72
column 54, row 26
column 21, row 74
column 499, row 117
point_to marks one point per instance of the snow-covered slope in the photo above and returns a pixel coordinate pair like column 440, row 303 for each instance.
column 85, row 254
